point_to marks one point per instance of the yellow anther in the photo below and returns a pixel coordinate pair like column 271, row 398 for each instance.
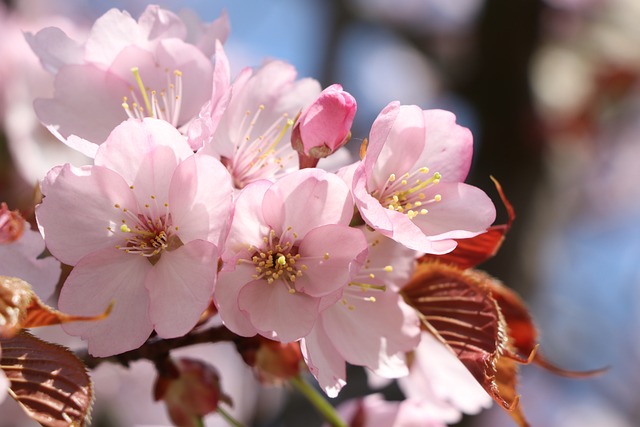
column 136, row 74
column 388, row 268
column 125, row 229
column 437, row 197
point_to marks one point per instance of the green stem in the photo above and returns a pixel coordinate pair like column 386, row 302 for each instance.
column 228, row 418
column 328, row 412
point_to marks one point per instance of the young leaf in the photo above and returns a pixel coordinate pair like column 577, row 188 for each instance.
column 459, row 310
column 47, row 380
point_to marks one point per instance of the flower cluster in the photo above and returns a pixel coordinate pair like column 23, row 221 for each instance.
column 204, row 197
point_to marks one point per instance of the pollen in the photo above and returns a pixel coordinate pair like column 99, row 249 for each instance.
column 408, row 194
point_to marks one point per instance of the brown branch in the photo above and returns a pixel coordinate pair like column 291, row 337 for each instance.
column 156, row 349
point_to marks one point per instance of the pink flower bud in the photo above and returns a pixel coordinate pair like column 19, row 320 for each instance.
column 325, row 125
column 11, row 224
column 190, row 389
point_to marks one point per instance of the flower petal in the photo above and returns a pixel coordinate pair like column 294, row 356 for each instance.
column 112, row 32
column 78, row 214
column 128, row 144
column 333, row 255
column 306, row 199
column 226, row 298
column 324, row 361
column 82, row 91
column 270, row 308
column 180, row 287
column 248, row 227
column 464, row 211
column 54, row 48
column 102, row 278
column 197, row 211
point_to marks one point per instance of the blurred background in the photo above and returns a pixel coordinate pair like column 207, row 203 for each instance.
column 550, row 92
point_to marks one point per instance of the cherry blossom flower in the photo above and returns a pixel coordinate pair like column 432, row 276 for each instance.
column 409, row 184
column 289, row 252
column 142, row 229
column 252, row 136
column 370, row 325
column 33, row 149
column 438, row 378
column 374, row 411
column 20, row 250
column 153, row 67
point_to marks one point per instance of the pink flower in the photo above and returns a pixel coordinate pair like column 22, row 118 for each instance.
column 142, row 228
column 153, row 67
column 370, row 325
column 253, row 135
column 325, row 125
column 438, row 378
column 289, row 247
column 374, row 411
column 409, row 184
column 20, row 250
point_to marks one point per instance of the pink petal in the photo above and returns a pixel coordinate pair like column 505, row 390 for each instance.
column 151, row 184
column 379, row 134
column 369, row 207
column 54, row 48
column 99, row 279
column 214, row 33
column 197, row 211
column 226, row 298
column 362, row 329
column 180, row 287
column 127, row 145
column 439, row 377
column 201, row 129
column 112, row 32
column 271, row 308
column 306, row 199
column 21, row 259
column 78, row 215
column 404, row 143
column 248, row 227
column 346, row 248
column 87, row 102
column 157, row 23
column 464, row 211
column 324, row 361
column 448, row 147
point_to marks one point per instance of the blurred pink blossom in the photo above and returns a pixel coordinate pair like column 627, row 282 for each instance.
column 20, row 250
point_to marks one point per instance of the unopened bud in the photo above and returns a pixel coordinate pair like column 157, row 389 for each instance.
column 324, row 126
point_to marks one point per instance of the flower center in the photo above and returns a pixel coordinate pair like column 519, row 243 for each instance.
column 164, row 104
column 149, row 232
column 261, row 156
column 406, row 195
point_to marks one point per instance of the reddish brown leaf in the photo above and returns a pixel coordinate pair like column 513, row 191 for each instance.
column 459, row 310
column 49, row 381
column 21, row 308
column 473, row 251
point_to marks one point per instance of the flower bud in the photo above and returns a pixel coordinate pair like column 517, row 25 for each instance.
column 324, row 126
column 190, row 389
column 11, row 224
